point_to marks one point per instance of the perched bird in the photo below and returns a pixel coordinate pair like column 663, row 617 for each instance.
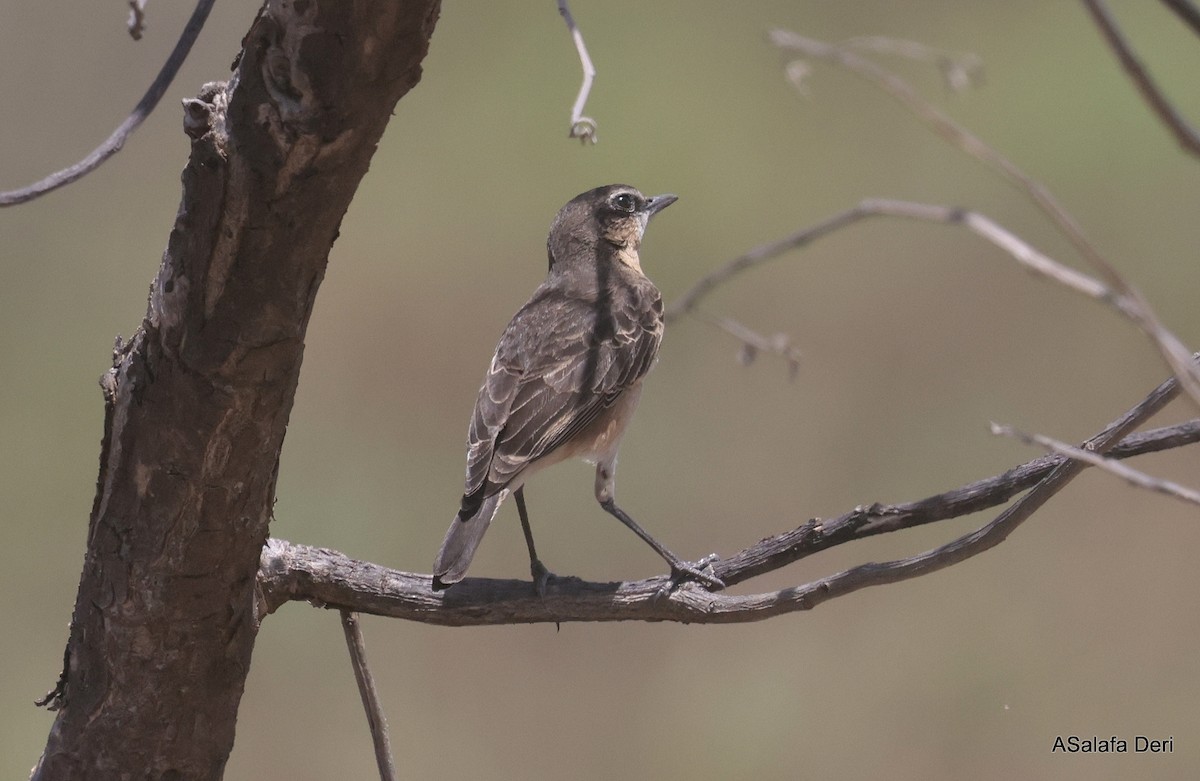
column 566, row 376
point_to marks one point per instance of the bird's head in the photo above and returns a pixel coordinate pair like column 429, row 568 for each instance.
column 616, row 214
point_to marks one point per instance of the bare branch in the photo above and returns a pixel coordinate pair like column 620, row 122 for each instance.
column 116, row 141
column 1185, row 134
column 979, row 224
column 1177, row 356
column 1133, row 476
column 754, row 343
column 961, row 71
column 760, row 254
column 1186, row 11
column 582, row 127
column 297, row 572
column 370, row 697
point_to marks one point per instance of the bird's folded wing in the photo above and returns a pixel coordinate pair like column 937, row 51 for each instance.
column 557, row 367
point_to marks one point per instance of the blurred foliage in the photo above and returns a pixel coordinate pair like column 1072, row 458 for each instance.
column 914, row 337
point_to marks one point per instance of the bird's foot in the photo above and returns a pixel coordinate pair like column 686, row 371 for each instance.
column 541, row 577
column 701, row 572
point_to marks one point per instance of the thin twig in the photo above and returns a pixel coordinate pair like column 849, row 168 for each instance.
column 1174, row 352
column 582, row 127
column 137, row 19
column 1185, row 134
column 370, row 698
column 945, row 127
column 114, row 142
column 753, row 343
column 298, row 572
column 961, row 71
column 979, row 224
column 760, row 254
column 1133, row 476
column 1186, row 11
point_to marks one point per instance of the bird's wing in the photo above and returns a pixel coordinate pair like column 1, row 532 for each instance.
column 559, row 364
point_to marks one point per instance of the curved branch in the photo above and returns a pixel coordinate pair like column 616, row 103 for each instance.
column 297, row 572
column 116, row 141
column 1173, row 351
column 981, row 225
column 1184, row 133
column 582, row 127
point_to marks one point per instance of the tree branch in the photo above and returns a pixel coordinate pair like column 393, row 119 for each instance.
column 1184, row 133
column 1186, row 11
column 197, row 402
column 981, row 225
column 1174, row 352
column 1128, row 474
column 328, row 578
column 582, row 127
column 376, row 722
column 960, row 71
column 116, row 141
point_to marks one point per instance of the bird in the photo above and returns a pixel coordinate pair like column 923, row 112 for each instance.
column 566, row 377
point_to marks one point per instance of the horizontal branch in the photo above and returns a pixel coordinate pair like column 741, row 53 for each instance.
column 330, row 579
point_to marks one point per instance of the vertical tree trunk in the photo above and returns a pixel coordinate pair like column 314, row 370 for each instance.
column 197, row 402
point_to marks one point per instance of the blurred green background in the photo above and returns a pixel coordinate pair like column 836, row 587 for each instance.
column 914, row 337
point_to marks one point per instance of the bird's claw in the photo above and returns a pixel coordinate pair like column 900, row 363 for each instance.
column 541, row 577
column 701, row 572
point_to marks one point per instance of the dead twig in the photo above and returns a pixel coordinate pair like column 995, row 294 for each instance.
column 1130, row 475
column 1184, row 133
column 961, row 71
column 753, row 343
column 116, row 141
column 1186, row 11
column 370, row 697
column 1174, row 352
column 981, row 225
column 297, row 572
column 582, row 127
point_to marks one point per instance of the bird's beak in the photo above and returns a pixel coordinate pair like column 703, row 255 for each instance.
column 658, row 203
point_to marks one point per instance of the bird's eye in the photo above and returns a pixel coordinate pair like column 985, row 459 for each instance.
column 624, row 202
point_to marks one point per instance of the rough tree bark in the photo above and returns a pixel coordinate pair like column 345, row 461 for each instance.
column 197, row 402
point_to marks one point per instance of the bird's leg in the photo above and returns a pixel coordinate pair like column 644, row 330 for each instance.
column 680, row 569
column 541, row 575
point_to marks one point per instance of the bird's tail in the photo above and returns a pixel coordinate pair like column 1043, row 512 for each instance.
column 462, row 538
